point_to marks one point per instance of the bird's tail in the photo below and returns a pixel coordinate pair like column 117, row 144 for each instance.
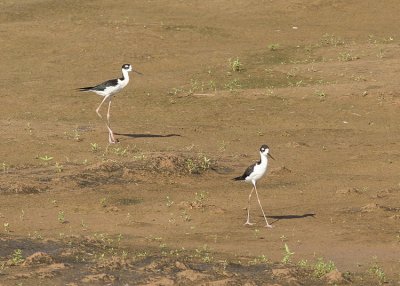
column 84, row 88
column 240, row 178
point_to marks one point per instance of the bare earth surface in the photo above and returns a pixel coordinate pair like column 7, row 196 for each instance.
column 315, row 80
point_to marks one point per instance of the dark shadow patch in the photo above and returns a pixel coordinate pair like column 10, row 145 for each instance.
column 279, row 217
column 129, row 201
column 131, row 135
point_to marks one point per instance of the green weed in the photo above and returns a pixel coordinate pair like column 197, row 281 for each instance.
column 17, row 257
column 378, row 272
column 61, row 217
column 6, row 226
column 233, row 85
column 321, row 267
column 94, row 147
column 169, row 202
column 287, row 255
column 235, row 65
column 46, row 158
column 273, row 47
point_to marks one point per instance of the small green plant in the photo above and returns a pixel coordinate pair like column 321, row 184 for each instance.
column 222, row 146
column 330, row 40
column 233, row 85
column 320, row 94
column 61, row 217
column 347, row 57
column 321, row 267
column 29, row 128
column 378, row 272
column 273, row 47
column 199, row 199
column 169, row 202
column 35, row 235
column 120, row 151
column 103, row 202
column 17, row 257
column 287, row 255
column 204, row 254
column 59, row 167
column 259, row 260
column 381, row 53
column 191, row 166
column 5, row 168
column 256, row 233
column 6, row 227
column 46, row 158
column 94, row 147
column 303, row 263
column 235, row 65
column 185, row 216
column 198, row 165
column 84, row 225
column 77, row 136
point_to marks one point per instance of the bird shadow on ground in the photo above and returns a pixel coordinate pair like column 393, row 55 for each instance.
column 279, row 217
column 131, row 135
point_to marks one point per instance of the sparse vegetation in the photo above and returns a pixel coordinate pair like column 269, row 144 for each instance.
column 262, row 259
column 5, row 168
column 378, row 272
column 331, row 40
column 169, row 202
column 321, row 267
column 198, row 165
column 45, row 158
column 94, row 147
column 287, row 255
column 235, row 65
column 273, row 47
column 320, row 93
column 204, row 254
column 61, row 217
column 347, row 57
column 59, row 167
column 233, row 85
column 17, row 257
column 6, row 226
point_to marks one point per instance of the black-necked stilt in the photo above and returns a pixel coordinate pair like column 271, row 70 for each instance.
column 252, row 174
column 107, row 89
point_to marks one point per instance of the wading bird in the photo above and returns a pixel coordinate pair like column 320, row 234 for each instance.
column 252, row 174
column 107, row 89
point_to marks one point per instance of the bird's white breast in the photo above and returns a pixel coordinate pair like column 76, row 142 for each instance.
column 258, row 171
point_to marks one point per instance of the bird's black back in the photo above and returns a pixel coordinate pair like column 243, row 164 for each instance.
column 246, row 173
column 102, row 86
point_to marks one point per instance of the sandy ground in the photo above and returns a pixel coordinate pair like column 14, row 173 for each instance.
column 315, row 80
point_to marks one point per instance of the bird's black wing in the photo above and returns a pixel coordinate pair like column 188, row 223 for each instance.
column 246, row 173
column 100, row 87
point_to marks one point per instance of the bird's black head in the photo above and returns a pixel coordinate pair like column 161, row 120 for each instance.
column 127, row 67
column 263, row 148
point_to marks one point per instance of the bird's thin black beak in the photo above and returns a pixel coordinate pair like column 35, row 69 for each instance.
column 269, row 155
column 137, row 72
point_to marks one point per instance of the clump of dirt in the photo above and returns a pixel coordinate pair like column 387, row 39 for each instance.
column 21, row 188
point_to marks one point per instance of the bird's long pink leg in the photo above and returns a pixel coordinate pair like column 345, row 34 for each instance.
column 268, row 225
column 248, row 209
column 108, row 112
column 98, row 108
column 111, row 137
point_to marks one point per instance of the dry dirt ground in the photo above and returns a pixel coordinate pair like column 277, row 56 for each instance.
column 315, row 80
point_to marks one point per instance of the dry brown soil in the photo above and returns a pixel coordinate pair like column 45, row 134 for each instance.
column 317, row 82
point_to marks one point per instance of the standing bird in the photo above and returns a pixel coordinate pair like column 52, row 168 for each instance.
column 252, row 174
column 107, row 89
